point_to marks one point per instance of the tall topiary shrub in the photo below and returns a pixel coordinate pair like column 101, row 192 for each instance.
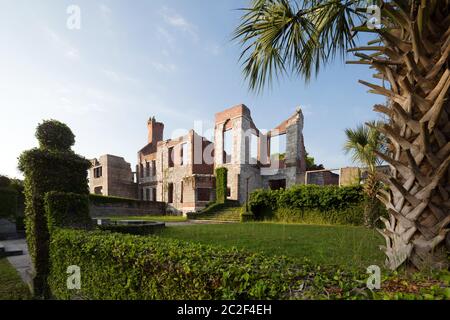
column 51, row 167
column 221, row 184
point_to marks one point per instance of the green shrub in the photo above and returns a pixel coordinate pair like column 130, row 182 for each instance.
column 303, row 203
column 117, row 266
column 221, row 184
column 54, row 135
column 8, row 202
column 67, row 210
column 5, row 182
column 100, row 199
column 141, row 230
column 352, row 215
column 247, row 217
column 51, row 167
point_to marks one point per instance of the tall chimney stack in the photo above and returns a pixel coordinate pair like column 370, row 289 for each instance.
column 155, row 130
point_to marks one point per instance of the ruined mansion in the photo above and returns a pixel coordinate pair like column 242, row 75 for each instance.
column 180, row 171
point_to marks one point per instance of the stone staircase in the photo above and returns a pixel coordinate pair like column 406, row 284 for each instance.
column 8, row 234
column 227, row 212
column 9, row 251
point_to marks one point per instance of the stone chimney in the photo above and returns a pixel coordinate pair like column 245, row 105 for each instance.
column 155, row 130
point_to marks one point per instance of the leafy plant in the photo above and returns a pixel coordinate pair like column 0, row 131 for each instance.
column 51, row 167
column 221, row 184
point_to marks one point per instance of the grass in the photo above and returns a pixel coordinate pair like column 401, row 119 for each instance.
column 350, row 247
column 11, row 285
column 152, row 218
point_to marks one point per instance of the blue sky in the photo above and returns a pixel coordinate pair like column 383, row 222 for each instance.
column 134, row 59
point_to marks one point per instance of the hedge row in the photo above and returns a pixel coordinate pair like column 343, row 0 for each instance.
column 118, row 266
column 100, row 199
column 309, row 203
column 8, row 202
column 67, row 210
column 141, row 230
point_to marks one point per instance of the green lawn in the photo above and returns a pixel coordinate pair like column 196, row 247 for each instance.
column 11, row 285
column 152, row 218
column 347, row 246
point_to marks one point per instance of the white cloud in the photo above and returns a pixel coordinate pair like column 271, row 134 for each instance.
column 164, row 67
column 165, row 35
column 179, row 22
column 214, row 49
column 105, row 11
column 61, row 44
column 117, row 77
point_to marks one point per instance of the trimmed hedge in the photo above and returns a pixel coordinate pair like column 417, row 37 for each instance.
column 301, row 203
column 99, row 199
column 67, row 210
column 8, row 202
column 221, row 184
column 118, row 266
column 353, row 215
column 131, row 229
column 51, row 167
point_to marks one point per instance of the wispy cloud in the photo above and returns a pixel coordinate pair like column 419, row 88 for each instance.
column 118, row 77
column 177, row 21
column 106, row 17
column 164, row 67
column 214, row 49
column 61, row 44
column 165, row 35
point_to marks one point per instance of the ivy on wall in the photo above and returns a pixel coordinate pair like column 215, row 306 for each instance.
column 221, row 184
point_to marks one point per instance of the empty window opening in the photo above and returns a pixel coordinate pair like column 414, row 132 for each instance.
column 227, row 146
column 153, row 167
column 181, row 191
column 183, row 154
column 147, row 169
column 171, row 155
column 170, row 193
column 147, row 194
column 253, row 149
column 98, row 172
column 278, row 148
column 153, row 194
column 203, row 194
column 98, row 190
column 277, row 184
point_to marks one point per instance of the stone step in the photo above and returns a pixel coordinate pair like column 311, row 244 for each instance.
column 9, row 252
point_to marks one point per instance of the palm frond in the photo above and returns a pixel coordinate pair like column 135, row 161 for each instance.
column 281, row 37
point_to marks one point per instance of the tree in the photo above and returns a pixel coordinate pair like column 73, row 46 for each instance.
column 311, row 163
column 362, row 143
column 410, row 52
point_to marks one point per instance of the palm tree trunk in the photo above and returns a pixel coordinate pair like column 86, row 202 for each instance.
column 414, row 60
column 371, row 187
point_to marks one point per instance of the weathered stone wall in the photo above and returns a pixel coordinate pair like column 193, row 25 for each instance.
column 245, row 176
column 117, row 178
column 349, row 176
